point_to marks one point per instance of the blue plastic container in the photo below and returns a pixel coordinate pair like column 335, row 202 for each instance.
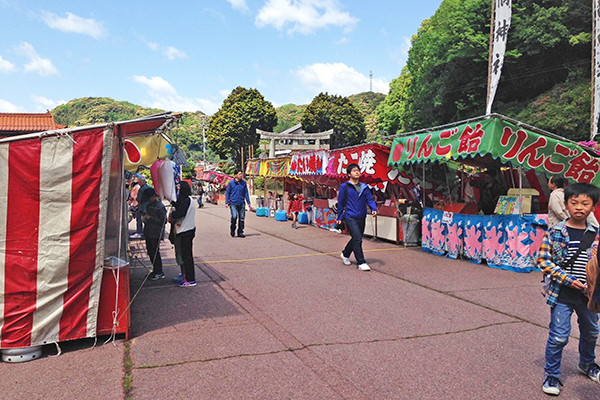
column 280, row 216
column 261, row 212
column 303, row 218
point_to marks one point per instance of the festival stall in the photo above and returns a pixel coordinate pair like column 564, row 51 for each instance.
column 63, row 230
column 216, row 193
column 329, row 168
column 505, row 241
column 273, row 170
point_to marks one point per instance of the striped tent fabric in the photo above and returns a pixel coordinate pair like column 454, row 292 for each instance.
column 53, row 192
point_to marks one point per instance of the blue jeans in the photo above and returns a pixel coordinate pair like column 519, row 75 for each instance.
column 238, row 211
column 560, row 329
column 356, row 227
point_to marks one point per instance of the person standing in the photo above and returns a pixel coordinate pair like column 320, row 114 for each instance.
column 154, row 219
column 183, row 219
column 139, row 232
column 353, row 198
column 563, row 256
column 556, row 203
column 557, row 210
column 296, row 207
column 235, row 195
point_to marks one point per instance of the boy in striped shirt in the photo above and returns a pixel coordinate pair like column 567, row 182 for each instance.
column 568, row 289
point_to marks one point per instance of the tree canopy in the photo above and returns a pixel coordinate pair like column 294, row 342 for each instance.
column 233, row 127
column 445, row 79
column 338, row 113
column 98, row 110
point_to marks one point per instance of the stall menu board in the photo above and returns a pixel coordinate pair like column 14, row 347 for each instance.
column 507, row 205
column 502, row 140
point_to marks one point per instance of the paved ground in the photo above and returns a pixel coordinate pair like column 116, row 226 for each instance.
column 278, row 316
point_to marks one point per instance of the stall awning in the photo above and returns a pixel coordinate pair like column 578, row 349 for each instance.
column 501, row 140
column 214, row 177
column 371, row 158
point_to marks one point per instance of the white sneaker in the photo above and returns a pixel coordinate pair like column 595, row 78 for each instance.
column 346, row 260
column 135, row 236
column 364, row 267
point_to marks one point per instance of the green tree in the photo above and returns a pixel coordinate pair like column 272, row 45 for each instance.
column 391, row 112
column 98, row 110
column 338, row 113
column 234, row 126
column 445, row 78
column 188, row 134
column 287, row 116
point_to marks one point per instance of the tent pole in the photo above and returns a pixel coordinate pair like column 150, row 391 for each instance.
column 423, row 183
column 520, row 190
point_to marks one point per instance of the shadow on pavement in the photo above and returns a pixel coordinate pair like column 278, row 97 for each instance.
column 162, row 304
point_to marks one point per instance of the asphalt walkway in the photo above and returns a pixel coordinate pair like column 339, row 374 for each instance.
column 276, row 315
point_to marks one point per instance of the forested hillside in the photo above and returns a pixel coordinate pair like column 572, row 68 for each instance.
column 545, row 80
column 98, row 110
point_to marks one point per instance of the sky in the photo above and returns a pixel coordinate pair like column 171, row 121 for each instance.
column 189, row 55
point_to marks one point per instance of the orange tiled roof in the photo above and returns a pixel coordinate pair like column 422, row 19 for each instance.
column 27, row 122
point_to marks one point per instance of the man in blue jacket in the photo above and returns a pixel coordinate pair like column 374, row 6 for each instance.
column 237, row 192
column 353, row 198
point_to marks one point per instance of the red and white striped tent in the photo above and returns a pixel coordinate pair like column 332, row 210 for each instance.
column 60, row 216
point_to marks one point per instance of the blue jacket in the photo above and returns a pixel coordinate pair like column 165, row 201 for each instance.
column 356, row 204
column 236, row 193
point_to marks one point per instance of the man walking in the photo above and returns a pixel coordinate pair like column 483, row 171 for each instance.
column 236, row 193
column 353, row 197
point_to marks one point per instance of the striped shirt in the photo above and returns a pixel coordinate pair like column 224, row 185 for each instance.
column 553, row 252
column 578, row 267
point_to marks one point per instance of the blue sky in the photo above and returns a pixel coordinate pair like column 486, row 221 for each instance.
column 189, row 55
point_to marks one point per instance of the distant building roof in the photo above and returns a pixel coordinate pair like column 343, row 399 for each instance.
column 19, row 123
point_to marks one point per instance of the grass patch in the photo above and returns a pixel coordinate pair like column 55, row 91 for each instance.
column 127, row 377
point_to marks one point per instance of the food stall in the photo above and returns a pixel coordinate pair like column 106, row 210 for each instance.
column 494, row 142
column 219, row 182
column 63, row 236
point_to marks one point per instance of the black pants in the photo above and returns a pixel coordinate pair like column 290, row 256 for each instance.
column 188, row 257
column 356, row 228
column 152, row 247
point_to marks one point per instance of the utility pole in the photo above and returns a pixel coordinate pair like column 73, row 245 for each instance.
column 204, row 139
column 371, row 81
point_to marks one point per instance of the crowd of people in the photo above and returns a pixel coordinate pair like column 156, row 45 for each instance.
column 151, row 221
column 568, row 255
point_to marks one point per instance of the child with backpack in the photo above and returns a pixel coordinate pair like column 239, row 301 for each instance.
column 564, row 254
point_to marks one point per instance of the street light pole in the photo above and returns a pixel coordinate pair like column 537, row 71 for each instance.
column 204, row 139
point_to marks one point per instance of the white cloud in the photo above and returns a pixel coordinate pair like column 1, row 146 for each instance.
column 338, row 79
column 37, row 64
column 6, row 66
column 75, row 24
column 164, row 96
column 172, row 53
column 400, row 54
column 42, row 103
column 6, row 106
column 303, row 16
column 239, row 5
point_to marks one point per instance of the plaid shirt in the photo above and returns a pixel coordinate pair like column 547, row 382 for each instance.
column 554, row 250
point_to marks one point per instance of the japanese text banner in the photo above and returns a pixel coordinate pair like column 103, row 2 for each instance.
column 500, row 35
column 309, row 163
column 502, row 140
column 371, row 158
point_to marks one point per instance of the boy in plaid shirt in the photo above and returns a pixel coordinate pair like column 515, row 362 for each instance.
column 568, row 288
